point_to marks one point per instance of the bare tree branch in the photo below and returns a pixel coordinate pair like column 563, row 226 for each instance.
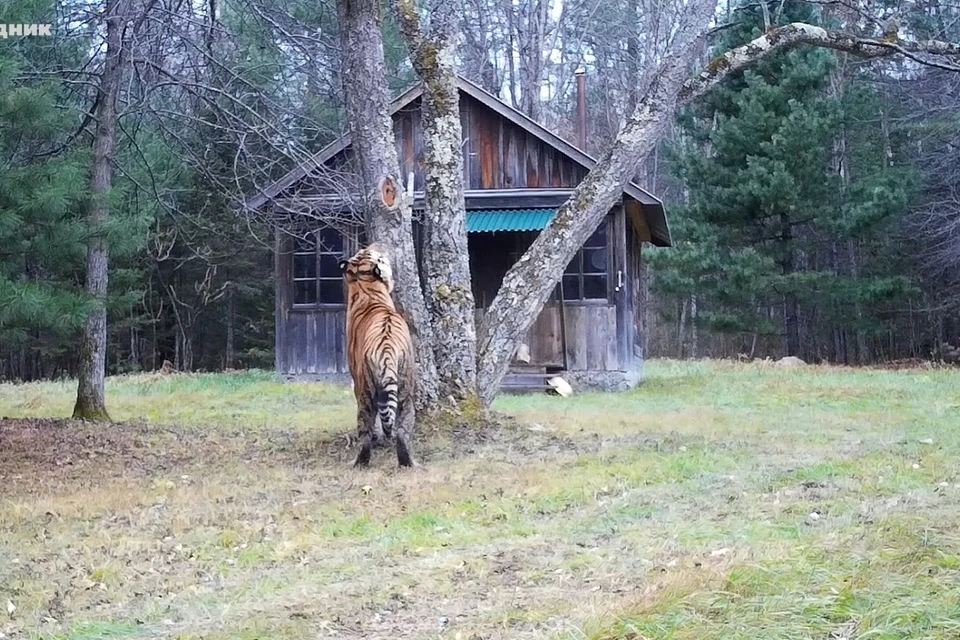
column 799, row 33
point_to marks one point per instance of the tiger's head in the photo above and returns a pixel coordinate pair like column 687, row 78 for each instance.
column 369, row 269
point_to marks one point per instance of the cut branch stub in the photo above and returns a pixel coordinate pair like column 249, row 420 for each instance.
column 388, row 192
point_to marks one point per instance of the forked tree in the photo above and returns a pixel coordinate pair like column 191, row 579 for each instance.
column 444, row 308
column 470, row 362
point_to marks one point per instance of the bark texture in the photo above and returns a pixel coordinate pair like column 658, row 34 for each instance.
column 446, row 264
column 532, row 27
column 388, row 219
column 528, row 284
column 798, row 33
column 91, row 402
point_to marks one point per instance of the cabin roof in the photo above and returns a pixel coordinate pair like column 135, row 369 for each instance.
column 653, row 206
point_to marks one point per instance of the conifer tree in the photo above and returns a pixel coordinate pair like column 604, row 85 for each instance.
column 42, row 189
column 769, row 199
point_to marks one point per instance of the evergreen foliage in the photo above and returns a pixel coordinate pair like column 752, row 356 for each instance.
column 42, row 201
column 816, row 196
column 790, row 198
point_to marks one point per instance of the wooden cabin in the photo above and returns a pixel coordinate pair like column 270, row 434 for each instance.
column 516, row 174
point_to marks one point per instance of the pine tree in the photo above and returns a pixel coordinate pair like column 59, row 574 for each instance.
column 44, row 201
column 42, row 196
column 767, row 203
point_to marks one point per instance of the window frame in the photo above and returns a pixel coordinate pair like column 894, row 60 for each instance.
column 580, row 274
column 347, row 240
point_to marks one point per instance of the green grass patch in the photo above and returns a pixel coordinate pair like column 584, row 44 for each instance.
column 716, row 500
column 226, row 402
column 99, row 630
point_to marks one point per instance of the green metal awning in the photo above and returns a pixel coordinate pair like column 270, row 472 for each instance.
column 508, row 220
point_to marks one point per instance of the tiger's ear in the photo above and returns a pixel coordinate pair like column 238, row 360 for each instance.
column 343, row 264
column 376, row 271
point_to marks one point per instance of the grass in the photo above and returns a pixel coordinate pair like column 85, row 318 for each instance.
column 718, row 500
column 244, row 400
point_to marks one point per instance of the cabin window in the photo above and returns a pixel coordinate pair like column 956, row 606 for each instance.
column 585, row 277
column 316, row 269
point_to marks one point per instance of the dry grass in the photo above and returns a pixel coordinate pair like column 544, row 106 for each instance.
column 717, row 501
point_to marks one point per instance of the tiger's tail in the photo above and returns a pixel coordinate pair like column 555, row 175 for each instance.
column 387, row 403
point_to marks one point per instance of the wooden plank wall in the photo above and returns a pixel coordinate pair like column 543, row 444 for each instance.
column 310, row 340
column 408, row 132
column 313, row 342
column 636, row 317
column 496, row 153
column 623, row 297
column 591, row 331
column 592, row 337
column 283, row 276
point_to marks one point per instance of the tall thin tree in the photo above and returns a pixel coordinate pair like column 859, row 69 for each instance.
column 446, row 266
column 387, row 210
column 91, row 401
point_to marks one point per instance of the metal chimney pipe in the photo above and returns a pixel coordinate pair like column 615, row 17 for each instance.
column 581, row 108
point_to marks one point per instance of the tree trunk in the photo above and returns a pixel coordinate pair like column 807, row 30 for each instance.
column 863, row 351
column 528, row 284
column 386, row 211
column 186, row 354
column 682, row 329
column 531, row 57
column 633, row 55
column 446, row 263
column 511, row 13
column 694, row 337
column 791, row 308
column 134, row 345
column 231, row 312
column 91, row 401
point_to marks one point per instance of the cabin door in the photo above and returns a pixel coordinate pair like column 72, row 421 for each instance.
column 545, row 338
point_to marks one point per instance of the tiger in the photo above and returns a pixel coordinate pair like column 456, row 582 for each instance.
column 379, row 354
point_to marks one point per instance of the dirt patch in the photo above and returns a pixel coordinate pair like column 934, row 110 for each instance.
column 37, row 455
column 78, row 453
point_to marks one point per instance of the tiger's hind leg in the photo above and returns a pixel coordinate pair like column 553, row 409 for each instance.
column 369, row 434
column 404, row 443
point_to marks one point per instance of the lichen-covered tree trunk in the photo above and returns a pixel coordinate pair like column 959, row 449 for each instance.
column 91, row 402
column 387, row 212
column 446, row 263
column 528, row 284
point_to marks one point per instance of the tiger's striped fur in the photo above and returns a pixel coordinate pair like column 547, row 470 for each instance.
column 380, row 355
